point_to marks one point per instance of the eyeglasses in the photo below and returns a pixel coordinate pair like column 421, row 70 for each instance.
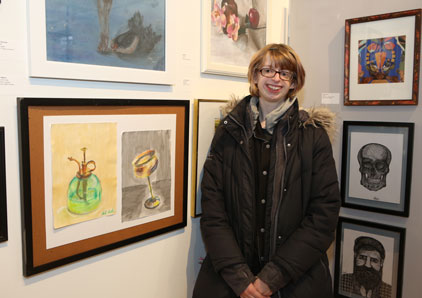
column 285, row 75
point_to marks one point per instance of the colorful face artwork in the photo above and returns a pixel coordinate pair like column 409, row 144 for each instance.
column 381, row 60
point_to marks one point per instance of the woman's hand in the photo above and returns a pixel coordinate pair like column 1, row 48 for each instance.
column 252, row 292
column 262, row 287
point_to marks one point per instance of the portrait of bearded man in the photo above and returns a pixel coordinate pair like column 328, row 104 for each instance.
column 366, row 279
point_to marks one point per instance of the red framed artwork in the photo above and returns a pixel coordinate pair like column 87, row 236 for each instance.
column 382, row 59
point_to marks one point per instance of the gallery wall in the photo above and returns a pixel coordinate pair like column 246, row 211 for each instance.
column 317, row 33
column 167, row 265
column 162, row 266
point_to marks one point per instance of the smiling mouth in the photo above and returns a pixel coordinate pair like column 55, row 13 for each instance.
column 274, row 88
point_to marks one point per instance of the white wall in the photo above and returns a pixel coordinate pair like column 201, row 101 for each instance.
column 163, row 266
column 317, row 34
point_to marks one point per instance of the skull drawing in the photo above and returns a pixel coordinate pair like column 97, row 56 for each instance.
column 374, row 160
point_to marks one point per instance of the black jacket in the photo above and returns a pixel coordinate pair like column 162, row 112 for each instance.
column 303, row 208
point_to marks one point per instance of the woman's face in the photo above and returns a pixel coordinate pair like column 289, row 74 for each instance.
column 272, row 89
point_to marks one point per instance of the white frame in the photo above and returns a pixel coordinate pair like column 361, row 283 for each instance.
column 277, row 31
column 40, row 67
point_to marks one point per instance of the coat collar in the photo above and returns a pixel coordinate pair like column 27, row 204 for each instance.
column 315, row 116
column 243, row 115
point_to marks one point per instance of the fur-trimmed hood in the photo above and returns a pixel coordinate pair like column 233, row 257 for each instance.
column 319, row 117
column 314, row 116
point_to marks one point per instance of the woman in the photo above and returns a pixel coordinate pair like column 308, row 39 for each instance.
column 270, row 197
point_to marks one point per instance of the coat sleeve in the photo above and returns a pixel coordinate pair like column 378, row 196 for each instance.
column 321, row 199
column 217, row 233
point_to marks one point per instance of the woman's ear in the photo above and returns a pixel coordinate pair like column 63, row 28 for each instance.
column 255, row 78
column 293, row 85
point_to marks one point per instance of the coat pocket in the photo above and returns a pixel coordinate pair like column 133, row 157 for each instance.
column 315, row 283
column 210, row 284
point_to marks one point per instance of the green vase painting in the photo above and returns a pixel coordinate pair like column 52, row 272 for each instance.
column 84, row 191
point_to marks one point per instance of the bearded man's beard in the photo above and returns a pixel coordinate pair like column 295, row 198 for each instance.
column 367, row 277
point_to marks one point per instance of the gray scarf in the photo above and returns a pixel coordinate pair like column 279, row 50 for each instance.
column 272, row 118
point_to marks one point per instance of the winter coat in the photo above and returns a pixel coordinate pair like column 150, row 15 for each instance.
column 303, row 207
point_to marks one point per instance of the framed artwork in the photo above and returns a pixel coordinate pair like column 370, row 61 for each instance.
column 3, row 204
column 382, row 59
column 376, row 168
column 369, row 259
column 207, row 116
column 98, row 174
column 233, row 30
column 104, row 40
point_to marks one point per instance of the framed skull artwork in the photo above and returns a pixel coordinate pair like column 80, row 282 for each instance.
column 377, row 166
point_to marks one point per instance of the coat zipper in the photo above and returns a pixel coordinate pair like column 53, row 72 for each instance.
column 274, row 238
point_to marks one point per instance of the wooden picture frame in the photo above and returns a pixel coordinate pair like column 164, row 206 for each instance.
column 3, row 193
column 361, row 245
column 130, row 158
column 376, row 168
column 382, row 59
column 206, row 117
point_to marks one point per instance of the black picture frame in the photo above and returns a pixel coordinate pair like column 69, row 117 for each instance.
column 35, row 118
column 3, row 195
column 354, row 235
column 376, row 170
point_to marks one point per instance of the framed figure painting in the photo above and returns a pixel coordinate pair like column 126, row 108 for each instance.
column 376, row 168
column 382, row 58
column 369, row 259
column 98, row 174
column 3, row 197
column 102, row 40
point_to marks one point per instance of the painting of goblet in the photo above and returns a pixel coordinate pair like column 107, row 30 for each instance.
column 143, row 166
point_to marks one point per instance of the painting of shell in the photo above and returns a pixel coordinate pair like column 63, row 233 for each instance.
column 125, row 33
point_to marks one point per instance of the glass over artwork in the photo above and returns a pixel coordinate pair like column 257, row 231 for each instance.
column 125, row 33
column 368, row 259
column 233, row 30
column 83, row 171
column 146, row 174
column 84, row 191
column 381, row 60
column 143, row 166
column 98, row 174
column 377, row 166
